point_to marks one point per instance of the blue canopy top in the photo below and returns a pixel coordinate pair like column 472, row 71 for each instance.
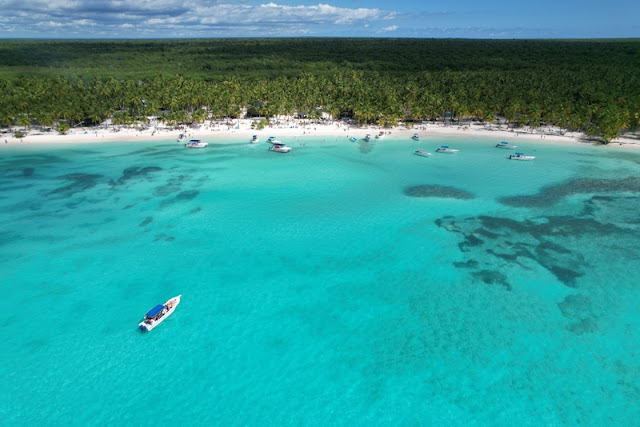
column 503, row 142
column 519, row 154
column 155, row 310
column 444, row 146
column 194, row 140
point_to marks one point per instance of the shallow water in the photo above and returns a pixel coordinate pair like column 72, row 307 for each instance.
column 342, row 283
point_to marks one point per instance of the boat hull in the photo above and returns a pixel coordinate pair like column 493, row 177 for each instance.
column 280, row 149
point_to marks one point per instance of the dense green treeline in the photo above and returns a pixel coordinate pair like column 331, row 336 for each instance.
column 591, row 86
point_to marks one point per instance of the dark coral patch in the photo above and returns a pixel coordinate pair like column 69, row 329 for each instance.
column 183, row 196
column 548, row 196
column 565, row 275
column 583, row 326
column 439, row 191
column 492, row 278
column 165, row 190
column 575, row 307
column 467, row 264
column 79, row 182
column 136, row 172
column 470, row 241
column 187, row 195
column 146, row 221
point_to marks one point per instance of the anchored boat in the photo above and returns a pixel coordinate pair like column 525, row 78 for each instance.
column 196, row 143
column 520, row 156
column 158, row 314
column 446, row 149
column 505, row 144
column 421, row 152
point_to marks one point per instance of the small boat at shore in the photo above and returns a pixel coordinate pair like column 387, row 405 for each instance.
column 367, row 137
column 421, row 152
column 380, row 135
column 353, row 139
column 273, row 140
column 158, row 314
column 181, row 137
column 279, row 147
column 196, row 143
column 254, row 139
column 446, row 149
column 520, row 156
column 506, row 145
column 415, row 137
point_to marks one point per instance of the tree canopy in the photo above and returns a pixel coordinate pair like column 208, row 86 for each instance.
column 586, row 85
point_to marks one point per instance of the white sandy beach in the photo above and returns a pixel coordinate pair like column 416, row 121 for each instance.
column 242, row 130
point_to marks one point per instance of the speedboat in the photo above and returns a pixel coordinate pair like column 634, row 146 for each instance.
column 520, row 156
column 255, row 138
column 196, row 143
column 157, row 314
column 380, row 135
column 446, row 149
column 421, row 152
column 181, row 137
column 504, row 144
column 353, row 139
column 279, row 147
column 367, row 137
column 273, row 140
column 415, row 137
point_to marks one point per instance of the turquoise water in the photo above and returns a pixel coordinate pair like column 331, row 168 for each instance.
column 344, row 283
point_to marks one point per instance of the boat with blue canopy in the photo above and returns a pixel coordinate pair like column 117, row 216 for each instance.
column 158, row 313
column 520, row 156
column 505, row 144
column 446, row 149
column 196, row 143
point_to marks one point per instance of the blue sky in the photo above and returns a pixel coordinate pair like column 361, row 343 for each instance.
column 497, row 19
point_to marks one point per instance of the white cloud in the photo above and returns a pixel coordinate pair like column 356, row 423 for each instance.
column 387, row 29
column 187, row 18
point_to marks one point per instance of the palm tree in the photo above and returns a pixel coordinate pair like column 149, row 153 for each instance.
column 63, row 127
column 24, row 120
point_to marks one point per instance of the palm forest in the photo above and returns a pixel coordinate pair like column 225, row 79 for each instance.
column 591, row 86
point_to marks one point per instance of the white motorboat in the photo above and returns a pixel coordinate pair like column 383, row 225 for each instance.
column 181, row 137
column 254, row 139
column 446, row 149
column 367, row 137
column 415, row 137
column 504, row 144
column 279, row 147
column 196, row 143
column 421, row 152
column 520, row 156
column 273, row 140
column 157, row 314
column 380, row 135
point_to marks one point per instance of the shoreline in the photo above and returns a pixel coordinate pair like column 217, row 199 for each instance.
column 242, row 130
